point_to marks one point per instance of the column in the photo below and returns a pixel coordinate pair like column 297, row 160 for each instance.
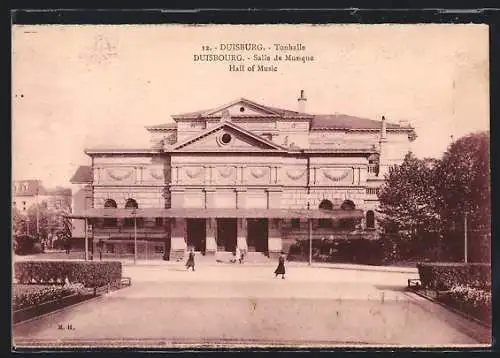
column 210, row 243
column 274, row 238
column 178, row 239
column 241, row 238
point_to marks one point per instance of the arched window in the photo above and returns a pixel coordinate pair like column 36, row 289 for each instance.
column 132, row 204
column 348, row 205
column 370, row 219
column 349, row 224
column 325, row 223
column 110, row 204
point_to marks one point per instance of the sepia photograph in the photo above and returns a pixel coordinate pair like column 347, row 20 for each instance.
column 251, row 186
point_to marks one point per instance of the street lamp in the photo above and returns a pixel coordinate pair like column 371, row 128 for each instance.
column 309, row 225
column 465, row 237
column 135, row 235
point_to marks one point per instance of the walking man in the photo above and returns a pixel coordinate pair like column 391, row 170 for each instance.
column 190, row 261
column 280, row 270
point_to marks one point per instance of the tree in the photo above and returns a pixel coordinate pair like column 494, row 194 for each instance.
column 464, row 173
column 408, row 198
column 42, row 220
column 18, row 222
column 428, row 198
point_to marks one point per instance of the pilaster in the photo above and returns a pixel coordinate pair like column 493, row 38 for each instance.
column 242, row 234
column 210, row 242
column 178, row 239
column 275, row 241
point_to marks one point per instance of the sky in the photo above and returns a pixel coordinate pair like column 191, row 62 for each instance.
column 77, row 87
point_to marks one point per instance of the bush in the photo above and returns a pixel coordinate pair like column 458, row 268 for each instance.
column 26, row 245
column 358, row 250
column 475, row 301
column 444, row 276
column 90, row 274
column 29, row 295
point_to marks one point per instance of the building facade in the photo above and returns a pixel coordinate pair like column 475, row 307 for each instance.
column 240, row 175
column 27, row 193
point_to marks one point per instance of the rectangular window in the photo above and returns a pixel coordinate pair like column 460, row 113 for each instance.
column 128, row 222
column 295, row 223
column 159, row 221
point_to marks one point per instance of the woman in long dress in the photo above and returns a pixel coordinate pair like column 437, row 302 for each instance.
column 280, row 270
column 190, row 260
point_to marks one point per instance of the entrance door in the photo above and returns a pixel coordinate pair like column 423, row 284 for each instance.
column 258, row 230
column 227, row 230
column 196, row 234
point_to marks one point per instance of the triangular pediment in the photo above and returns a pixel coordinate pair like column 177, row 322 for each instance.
column 226, row 137
column 241, row 108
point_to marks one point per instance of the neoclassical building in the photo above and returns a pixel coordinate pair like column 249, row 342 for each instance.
column 241, row 175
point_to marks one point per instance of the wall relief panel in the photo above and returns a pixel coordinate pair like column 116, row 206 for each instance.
column 120, row 174
column 258, row 175
column 335, row 175
column 225, row 174
column 295, row 174
column 192, row 174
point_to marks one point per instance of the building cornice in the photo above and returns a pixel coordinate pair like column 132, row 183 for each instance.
column 120, row 151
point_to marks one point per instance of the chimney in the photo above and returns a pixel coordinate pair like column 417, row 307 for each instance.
column 383, row 129
column 302, row 102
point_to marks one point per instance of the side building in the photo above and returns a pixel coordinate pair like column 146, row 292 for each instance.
column 27, row 193
column 240, row 175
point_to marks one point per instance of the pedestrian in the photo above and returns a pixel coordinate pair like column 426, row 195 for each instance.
column 67, row 245
column 242, row 256
column 190, row 261
column 237, row 254
column 280, row 270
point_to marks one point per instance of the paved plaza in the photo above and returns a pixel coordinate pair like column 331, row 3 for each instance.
column 323, row 305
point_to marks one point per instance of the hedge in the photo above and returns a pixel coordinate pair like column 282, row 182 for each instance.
column 89, row 273
column 444, row 276
column 24, row 296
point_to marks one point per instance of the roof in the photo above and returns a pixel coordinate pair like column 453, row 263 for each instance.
column 272, row 111
column 169, row 125
column 217, row 213
column 318, row 121
column 344, row 121
column 58, row 191
column 83, row 175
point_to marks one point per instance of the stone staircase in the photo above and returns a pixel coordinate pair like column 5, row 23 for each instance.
column 250, row 257
column 226, row 257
